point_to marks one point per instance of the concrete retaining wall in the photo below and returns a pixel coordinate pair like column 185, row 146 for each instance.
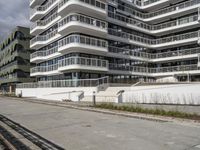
column 56, row 93
column 170, row 94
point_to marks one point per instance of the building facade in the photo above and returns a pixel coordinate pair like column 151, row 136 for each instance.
column 15, row 59
column 127, row 40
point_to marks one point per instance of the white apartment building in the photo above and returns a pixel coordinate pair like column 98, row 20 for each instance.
column 126, row 40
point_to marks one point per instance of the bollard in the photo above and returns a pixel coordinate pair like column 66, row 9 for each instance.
column 94, row 99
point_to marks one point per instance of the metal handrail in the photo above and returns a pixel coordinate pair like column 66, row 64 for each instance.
column 83, row 19
column 65, row 83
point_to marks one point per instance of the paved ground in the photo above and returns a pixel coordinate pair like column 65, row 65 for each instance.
column 82, row 130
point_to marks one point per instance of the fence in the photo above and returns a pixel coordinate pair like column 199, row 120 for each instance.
column 66, row 83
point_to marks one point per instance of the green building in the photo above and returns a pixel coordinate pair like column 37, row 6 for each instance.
column 15, row 59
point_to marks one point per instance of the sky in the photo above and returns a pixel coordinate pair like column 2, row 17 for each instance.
column 13, row 13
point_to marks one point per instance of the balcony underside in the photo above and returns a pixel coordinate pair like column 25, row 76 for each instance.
column 39, row 14
column 83, row 48
column 39, row 29
column 36, row 16
column 36, row 3
column 80, row 7
column 78, row 27
column 44, row 58
column 40, row 44
column 82, row 67
column 49, row 73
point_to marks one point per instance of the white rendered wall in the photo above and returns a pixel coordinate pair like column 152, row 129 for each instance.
column 170, row 94
column 58, row 94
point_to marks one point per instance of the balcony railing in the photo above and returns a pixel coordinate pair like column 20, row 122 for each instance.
column 159, row 12
column 42, row 8
column 128, row 68
column 129, row 36
column 95, row 3
column 83, row 19
column 129, row 52
column 149, row 71
column 83, row 61
column 150, row 42
column 82, row 40
column 27, row 85
column 174, row 69
column 42, row 38
column 42, row 23
column 66, row 83
column 146, row 26
column 44, row 53
column 41, row 69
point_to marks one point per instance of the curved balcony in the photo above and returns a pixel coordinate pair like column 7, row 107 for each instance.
column 150, row 57
column 150, row 5
column 177, row 10
column 82, row 24
column 160, row 29
column 182, row 39
column 83, row 44
column 83, row 63
column 41, row 25
column 154, row 72
column 40, row 56
column 45, row 70
column 42, row 40
column 174, row 70
column 39, row 11
column 34, row 3
column 94, row 8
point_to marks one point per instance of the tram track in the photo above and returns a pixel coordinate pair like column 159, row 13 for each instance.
column 16, row 137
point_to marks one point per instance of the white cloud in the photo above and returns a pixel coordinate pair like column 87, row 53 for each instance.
column 13, row 13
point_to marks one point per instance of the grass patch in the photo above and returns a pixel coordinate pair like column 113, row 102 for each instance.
column 156, row 111
column 8, row 95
